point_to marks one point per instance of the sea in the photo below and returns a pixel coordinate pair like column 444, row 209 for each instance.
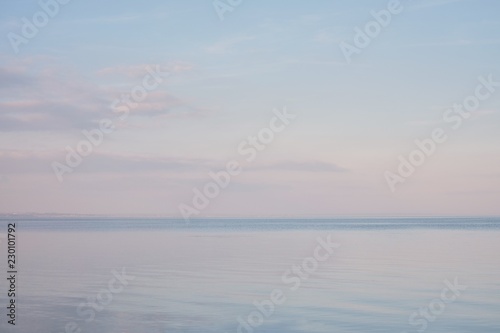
column 131, row 275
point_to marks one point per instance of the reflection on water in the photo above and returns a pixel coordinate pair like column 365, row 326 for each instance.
column 203, row 279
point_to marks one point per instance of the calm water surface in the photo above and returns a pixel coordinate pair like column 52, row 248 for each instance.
column 203, row 276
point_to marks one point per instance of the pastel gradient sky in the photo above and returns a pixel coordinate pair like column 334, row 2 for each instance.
column 353, row 120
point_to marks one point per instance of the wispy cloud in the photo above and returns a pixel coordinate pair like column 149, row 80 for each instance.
column 138, row 71
column 302, row 166
column 24, row 161
column 227, row 45
column 327, row 37
column 55, row 98
column 426, row 4
column 456, row 42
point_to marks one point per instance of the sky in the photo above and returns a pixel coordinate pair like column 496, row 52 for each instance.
column 204, row 79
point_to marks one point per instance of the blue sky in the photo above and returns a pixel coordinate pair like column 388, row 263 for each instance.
column 226, row 76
